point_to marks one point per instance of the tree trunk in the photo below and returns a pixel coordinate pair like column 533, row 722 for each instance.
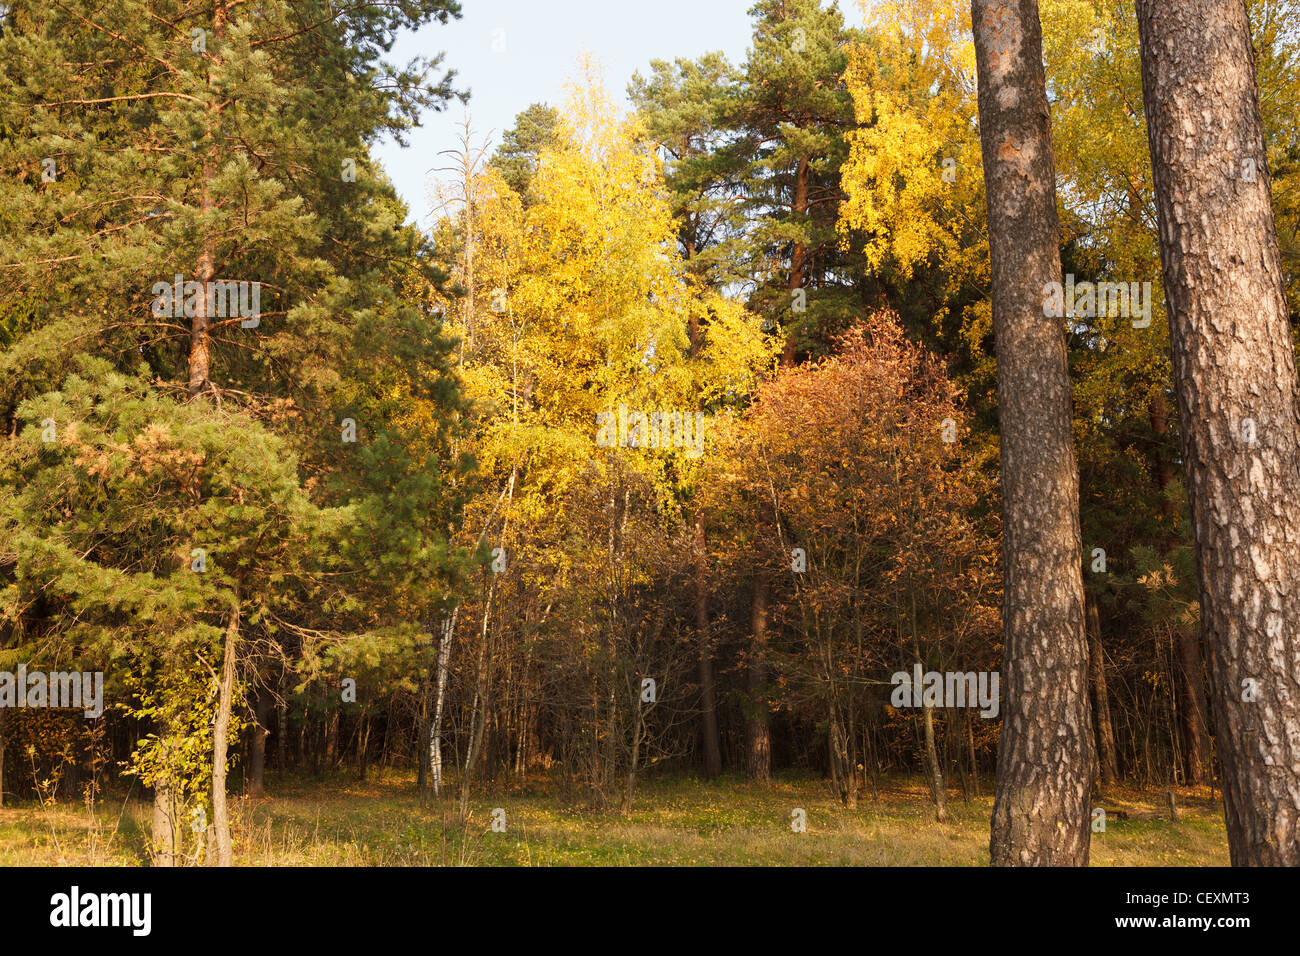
column 435, row 726
column 363, row 745
column 332, row 741
column 424, row 723
column 1045, row 753
column 1191, row 711
column 527, row 710
column 1161, row 470
column 938, row 788
column 970, row 747
column 708, row 705
column 281, row 735
column 1234, row 367
column 220, row 731
column 478, row 713
column 844, row 775
column 307, row 743
column 200, row 361
column 165, row 826
column 257, row 759
column 758, row 737
column 1101, row 700
column 1191, row 686
column 952, row 752
column 634, row 755
column 868, row 747
column 798, row 260
column 200, row 357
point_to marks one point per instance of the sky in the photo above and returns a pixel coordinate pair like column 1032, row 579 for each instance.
column 538, row 43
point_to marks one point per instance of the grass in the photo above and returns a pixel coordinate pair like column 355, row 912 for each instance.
column 676, row 821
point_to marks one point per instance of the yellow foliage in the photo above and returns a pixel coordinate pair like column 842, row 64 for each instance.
column 913, row 177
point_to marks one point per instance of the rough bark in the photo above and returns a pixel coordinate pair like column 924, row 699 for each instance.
column 1045, row 753
column 1234, row 368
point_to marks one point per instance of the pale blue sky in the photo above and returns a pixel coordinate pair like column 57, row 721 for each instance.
column 543, row 39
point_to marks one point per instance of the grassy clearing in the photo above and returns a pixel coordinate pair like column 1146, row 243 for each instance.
column 676, row 821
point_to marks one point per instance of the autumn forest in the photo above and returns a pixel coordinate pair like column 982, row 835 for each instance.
column 877, row 449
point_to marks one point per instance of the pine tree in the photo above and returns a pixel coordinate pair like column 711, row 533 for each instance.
column 1045, row 752
column 788, row 117
column 224, row 149
column 1234, row 363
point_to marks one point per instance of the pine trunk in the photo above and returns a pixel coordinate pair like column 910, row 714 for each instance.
column 1045, row 753
column 200, row 357
column 1234, row 367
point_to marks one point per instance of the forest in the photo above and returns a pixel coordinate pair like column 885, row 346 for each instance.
column 887, row 438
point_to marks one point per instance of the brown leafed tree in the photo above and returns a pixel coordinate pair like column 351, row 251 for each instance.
column 1045, row 754
column 1234, row 367
column 843, row 459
